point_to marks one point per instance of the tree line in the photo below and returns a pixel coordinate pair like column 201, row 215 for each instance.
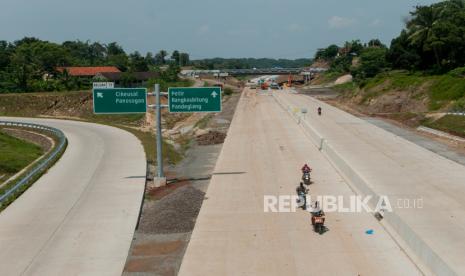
column 433, row 41
column 30, row 64
column 249, row 63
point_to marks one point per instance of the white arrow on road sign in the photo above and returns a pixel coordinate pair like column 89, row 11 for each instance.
column 214, row 94
column 99, row 95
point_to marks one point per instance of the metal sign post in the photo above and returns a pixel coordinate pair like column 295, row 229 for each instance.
column 182, row 100
column 159, row 136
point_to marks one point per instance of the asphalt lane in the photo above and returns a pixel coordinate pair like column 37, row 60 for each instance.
column 79, row 218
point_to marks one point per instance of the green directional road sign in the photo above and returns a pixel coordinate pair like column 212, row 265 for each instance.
column 120, row 100
column 201, row 99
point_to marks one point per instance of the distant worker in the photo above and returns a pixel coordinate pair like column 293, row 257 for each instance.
column 319, row 110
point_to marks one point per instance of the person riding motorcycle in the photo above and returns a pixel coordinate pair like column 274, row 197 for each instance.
column 301, row 189
column 302, row 192
column 319, row 110
column 306, row 169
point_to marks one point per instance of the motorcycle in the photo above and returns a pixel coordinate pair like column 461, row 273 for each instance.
column 306, row 178
column 318, row 222
column 302, row 201
column 318, row 219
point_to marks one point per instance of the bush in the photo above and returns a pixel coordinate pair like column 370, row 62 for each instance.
column 372, row 62
column 227, row 91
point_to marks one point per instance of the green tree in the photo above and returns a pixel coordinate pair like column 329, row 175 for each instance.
column 160, row 57
column 184, row 59
column 402, row 55
column 5, row 54
column 375, row 43
column 421, row 31
column 114, row 49
column 23, row 67
column 328, row 53
column 138, row 63
column 150, row 59
column 372, row 62
column 175, row 56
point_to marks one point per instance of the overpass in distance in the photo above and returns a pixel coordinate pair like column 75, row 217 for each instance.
column 254, row 71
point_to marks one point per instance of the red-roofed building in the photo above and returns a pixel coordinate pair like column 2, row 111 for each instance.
column 88, row 71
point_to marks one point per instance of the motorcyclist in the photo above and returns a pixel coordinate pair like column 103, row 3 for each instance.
column 319, row 110
column 301, row 192
column 301, row 189
column 306, row 169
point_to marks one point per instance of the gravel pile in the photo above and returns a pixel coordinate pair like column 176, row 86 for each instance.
column 211, row 138
column 174, row 213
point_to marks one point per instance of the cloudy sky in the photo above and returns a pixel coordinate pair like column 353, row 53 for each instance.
column 208, row 28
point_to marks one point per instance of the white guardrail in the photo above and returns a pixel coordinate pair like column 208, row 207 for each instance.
column 403, row 230
column 41, row 166
column 456, row 113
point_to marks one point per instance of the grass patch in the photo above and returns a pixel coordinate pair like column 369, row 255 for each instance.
column 124, row 119
column 165, row 85
column 33, row 179
column 202, row 123
column 330, row 76
column 446, row 89
column 450, row 123
column 16, row 154
column 404, row 116
column 395, row 80
column 148, row 140
column 227, row 91
column 346, row 87
column 442, row 90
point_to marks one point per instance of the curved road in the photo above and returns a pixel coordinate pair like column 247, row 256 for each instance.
column 79, row 218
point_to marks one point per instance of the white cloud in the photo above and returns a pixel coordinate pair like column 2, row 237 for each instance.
column 203, row 29
column 337, row 22
column 295, row 28
column 376, row 22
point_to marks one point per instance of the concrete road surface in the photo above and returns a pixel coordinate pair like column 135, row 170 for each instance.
column 262, row 155
column 79, row 218
column 400, row 169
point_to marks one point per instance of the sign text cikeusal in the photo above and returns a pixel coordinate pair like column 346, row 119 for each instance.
column 120, row 100
column 194, row 99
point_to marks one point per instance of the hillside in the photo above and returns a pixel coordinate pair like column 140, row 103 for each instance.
column 411, row 98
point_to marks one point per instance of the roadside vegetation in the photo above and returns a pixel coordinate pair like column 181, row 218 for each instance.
column 15, row 155
column 450, row 123
column 27, row 170
column 249, row 63
column 30, row 64
column 422, row 71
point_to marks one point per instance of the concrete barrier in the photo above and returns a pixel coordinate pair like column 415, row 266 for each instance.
column 415, row 244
